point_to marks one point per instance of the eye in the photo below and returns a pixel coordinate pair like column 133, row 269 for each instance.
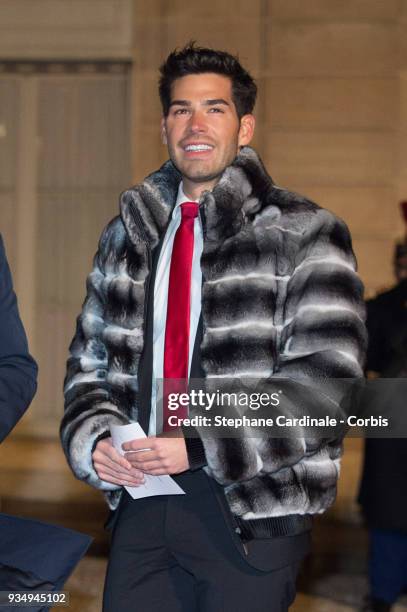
column 215, row 109
column 181, row 111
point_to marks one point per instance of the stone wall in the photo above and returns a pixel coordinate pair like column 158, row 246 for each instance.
column 331, row 123
column 332, row 101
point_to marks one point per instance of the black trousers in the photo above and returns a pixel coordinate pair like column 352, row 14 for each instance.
column 175, row 554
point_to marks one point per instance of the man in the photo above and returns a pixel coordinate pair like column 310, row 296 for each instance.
column 18, row 370
column 210, row 271
column 383, row 500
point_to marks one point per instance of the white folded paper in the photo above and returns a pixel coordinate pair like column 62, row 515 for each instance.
column 154, row 485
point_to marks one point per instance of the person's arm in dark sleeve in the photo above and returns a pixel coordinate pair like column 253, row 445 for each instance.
column 195, row 449
column 376, row 353
column 18, row 370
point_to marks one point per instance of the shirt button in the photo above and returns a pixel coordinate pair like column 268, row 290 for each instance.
column 238, row 530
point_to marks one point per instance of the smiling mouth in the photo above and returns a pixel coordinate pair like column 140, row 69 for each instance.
column 198, row 148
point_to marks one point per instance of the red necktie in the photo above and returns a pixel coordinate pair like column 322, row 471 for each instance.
column 176, row 345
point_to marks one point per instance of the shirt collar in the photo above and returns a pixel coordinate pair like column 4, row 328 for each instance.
column 181, row 198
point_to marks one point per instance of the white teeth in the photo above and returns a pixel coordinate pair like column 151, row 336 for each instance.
column 201, row 147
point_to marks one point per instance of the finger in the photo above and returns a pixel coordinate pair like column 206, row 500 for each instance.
column 107, row 462
column 117, row 458
column 119, row 471
column 133, row 476
column 141, row 457
column 112, row 460
column 151, row 465
column 136, row 476
column 105, row 448
column 119, row 481
column 139, row 444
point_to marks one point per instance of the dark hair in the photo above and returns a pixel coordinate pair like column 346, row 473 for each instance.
column 198, row 60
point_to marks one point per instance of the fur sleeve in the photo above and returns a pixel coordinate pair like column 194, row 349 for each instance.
column 323, row 314
column 90, row 403
column 321, row 344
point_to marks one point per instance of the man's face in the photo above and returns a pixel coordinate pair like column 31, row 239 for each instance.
column 202, row 129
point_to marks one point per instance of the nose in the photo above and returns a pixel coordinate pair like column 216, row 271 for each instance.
column 197, row 123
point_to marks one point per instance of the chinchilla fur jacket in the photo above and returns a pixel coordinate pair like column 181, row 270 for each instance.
column 280, row 301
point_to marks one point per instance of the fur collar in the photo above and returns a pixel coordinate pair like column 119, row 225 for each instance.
column 240, row 193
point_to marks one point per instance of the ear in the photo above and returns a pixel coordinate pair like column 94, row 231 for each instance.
column 163, row 131
column 246, row 130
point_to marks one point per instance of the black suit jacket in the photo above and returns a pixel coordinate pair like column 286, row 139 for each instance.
column 18, row 370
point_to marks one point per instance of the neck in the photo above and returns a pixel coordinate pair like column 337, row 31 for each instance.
column 194, row 190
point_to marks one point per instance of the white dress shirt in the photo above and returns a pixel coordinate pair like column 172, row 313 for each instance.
column 161, row 299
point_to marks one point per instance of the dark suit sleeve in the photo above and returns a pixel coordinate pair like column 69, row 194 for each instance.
column 195, row 449
column 376, row 351
column 18, row 370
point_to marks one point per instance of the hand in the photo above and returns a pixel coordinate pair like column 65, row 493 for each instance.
column 112, row 467
column 157, row 455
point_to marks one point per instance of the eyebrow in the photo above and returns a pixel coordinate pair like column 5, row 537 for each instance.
column 205, row 102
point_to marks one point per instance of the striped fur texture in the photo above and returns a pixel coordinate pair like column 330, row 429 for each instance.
column 280, row 298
